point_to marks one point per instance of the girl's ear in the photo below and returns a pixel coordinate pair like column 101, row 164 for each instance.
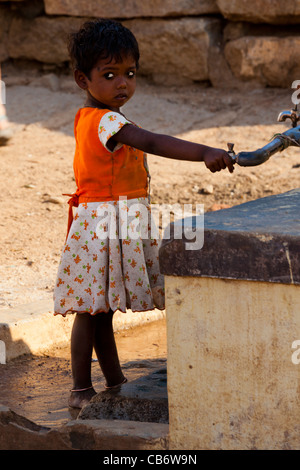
column 81, row 79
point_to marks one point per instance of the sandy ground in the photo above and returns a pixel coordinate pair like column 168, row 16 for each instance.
column 36, row 165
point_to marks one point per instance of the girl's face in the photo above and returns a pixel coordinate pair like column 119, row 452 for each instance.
column 111, row 83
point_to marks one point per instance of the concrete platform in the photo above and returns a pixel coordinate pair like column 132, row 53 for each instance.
column 255, row 241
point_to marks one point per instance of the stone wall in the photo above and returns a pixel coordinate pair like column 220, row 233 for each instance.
column 222, row 42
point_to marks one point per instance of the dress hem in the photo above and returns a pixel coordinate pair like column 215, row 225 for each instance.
column 71, row 312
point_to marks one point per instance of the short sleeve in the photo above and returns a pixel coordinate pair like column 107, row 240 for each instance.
column 109, row 125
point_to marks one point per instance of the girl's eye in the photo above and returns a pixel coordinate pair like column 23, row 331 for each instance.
column 131, row 74
column 109, row 75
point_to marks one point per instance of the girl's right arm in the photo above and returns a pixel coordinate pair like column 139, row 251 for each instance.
column 172, row 147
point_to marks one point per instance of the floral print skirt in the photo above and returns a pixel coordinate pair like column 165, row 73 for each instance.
column 110, row 260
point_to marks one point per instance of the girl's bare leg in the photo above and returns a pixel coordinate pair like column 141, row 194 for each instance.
column 81, row 355
column 106, row 350
column 88, row 332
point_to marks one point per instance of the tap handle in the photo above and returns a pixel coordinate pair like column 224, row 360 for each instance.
column 230, row 146
column 231, row 152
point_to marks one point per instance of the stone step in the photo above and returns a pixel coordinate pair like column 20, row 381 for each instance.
column 18, row 433
column 142, row 399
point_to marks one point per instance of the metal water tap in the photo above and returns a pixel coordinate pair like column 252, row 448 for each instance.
column 293, row 115
column 281, row 141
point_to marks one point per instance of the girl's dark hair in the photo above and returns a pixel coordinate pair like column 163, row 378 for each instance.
column 101, row 39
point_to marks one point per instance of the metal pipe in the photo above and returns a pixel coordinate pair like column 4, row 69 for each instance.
column 259, row 156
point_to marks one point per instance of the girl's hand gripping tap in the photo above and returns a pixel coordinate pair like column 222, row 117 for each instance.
column 218, row 159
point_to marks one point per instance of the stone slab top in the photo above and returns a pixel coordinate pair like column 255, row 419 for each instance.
column 257, row 241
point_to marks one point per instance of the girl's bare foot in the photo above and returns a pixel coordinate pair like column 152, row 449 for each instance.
column 80, row 398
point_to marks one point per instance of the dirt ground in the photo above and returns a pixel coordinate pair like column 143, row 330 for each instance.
column 36, row 165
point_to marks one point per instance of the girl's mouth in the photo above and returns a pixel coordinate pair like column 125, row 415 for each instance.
column 121, row 97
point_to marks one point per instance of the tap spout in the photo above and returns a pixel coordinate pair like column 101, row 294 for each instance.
column 279, row 143
column 293, row 115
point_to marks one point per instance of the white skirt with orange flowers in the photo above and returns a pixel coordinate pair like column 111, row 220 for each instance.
column 110, row 260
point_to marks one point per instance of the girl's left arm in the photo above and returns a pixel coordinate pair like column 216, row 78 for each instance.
column 172, row 147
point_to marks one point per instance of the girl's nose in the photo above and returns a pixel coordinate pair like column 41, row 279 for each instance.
column 122, row 83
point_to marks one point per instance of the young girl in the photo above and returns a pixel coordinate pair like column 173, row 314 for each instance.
column 103, row 268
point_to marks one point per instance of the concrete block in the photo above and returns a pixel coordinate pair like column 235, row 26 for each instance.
column 230, row 352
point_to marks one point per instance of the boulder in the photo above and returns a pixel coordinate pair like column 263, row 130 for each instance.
column 130, row 8
column 43, row 39
column 6, row 16
column 268, row 60
column 177, row 51
column 261, row 11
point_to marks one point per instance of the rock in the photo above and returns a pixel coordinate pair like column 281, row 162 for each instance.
column 271, row 61
column 144, row 399
column 261, row 11
column 49, row 80
column 5, row 20
column 219, row 71
column 207, row 189
column 28, row 8
column 111, row 406
column 162, row 42
column 55, row 200
column 130, row 8
column 43, row 38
